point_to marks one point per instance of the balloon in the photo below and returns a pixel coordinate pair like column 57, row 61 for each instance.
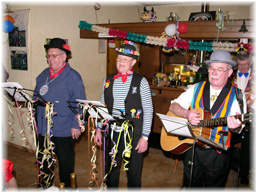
column 7, row 26
column 170, row 29
column 97, row 6
column 9, row 18
column 183, row 27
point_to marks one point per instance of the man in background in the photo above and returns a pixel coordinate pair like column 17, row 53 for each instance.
column 244, row 81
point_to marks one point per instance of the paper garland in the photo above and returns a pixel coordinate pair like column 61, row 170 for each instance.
column 166, row 42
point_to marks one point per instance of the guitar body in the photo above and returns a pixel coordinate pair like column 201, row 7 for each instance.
column 172, row 143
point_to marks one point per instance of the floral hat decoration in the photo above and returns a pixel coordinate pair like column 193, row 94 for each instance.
column 128, row 49
column 58, row 43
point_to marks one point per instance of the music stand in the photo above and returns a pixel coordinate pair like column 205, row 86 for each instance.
column 17, row 93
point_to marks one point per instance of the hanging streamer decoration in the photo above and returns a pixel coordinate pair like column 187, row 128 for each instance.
column 128, row 146
column 79, row 117
column 10, row 122
column 33, row 130
column 131, row 36
column 93, row 152
column 170, row 43
column 48, row 155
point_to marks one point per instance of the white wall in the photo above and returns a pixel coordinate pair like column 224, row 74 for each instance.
column 61, row 20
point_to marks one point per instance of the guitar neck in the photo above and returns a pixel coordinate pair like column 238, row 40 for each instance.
column 216, row 121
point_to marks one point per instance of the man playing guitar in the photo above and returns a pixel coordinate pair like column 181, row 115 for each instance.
column 218, row 96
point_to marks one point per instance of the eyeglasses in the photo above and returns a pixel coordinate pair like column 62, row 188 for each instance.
column 243, row 65
column 53, row 56
column 124, row 60
column 218, row 70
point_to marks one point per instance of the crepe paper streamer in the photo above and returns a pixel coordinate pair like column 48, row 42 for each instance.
column 85, row 25
column 117, row 33
column 79, row 118
column 48, row 154
column 32, row 125
column 231, row 47
column 201, row 46
column 93, row 151
column 11, row 130
column 128, row 145
column 136, row 37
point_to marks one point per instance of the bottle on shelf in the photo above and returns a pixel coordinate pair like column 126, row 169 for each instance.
column 179, row 81
column 173, row 83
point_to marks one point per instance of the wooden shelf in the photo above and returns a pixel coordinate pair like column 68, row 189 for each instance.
column 196, row 29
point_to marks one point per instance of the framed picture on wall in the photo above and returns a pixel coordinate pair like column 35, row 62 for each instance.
column 19, row 60
column 202, row 16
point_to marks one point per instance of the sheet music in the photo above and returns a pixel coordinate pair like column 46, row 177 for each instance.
column 19, row 96
column 97, row 103
column 174, row 125
column 93, row 111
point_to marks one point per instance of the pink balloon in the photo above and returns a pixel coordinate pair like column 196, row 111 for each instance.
column 183, row 27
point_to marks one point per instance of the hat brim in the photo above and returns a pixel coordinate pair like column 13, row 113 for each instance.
column 52, row 46
column 231, row 62
column 128, row 55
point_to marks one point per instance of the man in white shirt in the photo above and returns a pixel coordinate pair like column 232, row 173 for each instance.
column 218, row 96
column 244, row 81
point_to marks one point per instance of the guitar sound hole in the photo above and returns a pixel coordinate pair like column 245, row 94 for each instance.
column 182, row 137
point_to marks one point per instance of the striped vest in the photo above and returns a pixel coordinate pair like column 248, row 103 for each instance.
column 221, row 107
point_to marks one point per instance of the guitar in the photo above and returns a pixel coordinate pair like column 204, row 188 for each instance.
column 178, row 145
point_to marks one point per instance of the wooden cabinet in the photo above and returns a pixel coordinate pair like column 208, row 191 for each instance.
column 161, row 98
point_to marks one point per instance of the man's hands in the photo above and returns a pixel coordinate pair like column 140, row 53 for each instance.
column 193, row 117
column 98, row 137
column 142, row 145
column 75, row 133
column 233, row 123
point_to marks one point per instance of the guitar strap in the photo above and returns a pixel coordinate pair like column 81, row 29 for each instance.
column 239, row 97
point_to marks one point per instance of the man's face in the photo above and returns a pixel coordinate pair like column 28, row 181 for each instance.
column 56, row 58
column 219, row 74
column 124, row 63
column 244, row 66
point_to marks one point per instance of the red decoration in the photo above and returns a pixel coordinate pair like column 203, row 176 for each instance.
column 66, row 46
column 117, row 33
column 183, row 27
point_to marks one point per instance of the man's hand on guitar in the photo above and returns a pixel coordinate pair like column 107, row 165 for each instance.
column 233, row 123
column 193, row 117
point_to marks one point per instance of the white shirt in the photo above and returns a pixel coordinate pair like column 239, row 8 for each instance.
column 243, row 81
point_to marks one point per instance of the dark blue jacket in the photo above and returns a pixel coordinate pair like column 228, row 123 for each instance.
column 67, row 86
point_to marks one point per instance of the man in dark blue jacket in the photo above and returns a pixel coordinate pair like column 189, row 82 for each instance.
column 57, row 84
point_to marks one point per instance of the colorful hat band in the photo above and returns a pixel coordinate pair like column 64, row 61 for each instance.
column 127, row 51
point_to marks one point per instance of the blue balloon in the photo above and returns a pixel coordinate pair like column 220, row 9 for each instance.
column 7, row 26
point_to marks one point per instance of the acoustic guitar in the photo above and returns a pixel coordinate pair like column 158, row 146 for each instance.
column 178, row 144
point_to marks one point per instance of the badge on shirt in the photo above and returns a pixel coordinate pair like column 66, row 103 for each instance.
column 134, row 90
column 107, row 84
column 44, row 89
